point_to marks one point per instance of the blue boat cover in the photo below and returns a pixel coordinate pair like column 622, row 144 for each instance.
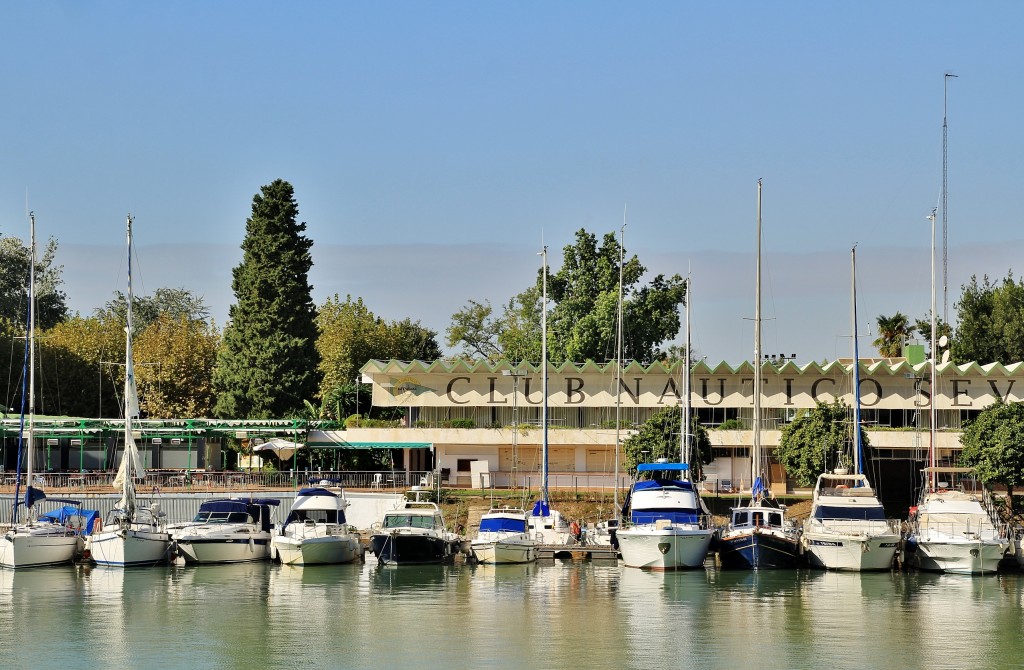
column 66, row 513
column 503, row 524
column 33, row 495
column 757, row 488
column 257, row 508
column 647, row 467
column 855, row 513
column 316, row 492
column 648, row 484
column 540, row 508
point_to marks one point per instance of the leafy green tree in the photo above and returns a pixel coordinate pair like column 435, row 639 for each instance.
column 51, row 307
column 659, row 437
column 268, row 360
column 993, row 444
column 893, row 331
column 175, row 357
column 819, row 439
column 351, row 335
column 176, row 303
column 582, row 323
column 991, row 322
column 81, row 365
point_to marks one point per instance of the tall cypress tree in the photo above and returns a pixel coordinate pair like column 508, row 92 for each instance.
column 267, row 364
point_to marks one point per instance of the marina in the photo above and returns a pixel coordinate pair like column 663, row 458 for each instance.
column 366, row 615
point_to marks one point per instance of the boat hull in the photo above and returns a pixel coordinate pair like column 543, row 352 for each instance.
column 857, row 553
column 29, row 550
column 402, row 548
column 316, row 550
column 660, row 549
column 498, row 551
column 129, row 547
column 757, row 550
column 239, row 549
column 964, row 558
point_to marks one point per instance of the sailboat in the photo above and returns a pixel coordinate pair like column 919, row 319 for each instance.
column 847, row 528
column 545, row 523
column 758, row 534
column 668, row 525
column 131, row 535
column 36, row 542
column 954, row 527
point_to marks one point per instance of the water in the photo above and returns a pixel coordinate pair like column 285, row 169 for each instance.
column 546, row 615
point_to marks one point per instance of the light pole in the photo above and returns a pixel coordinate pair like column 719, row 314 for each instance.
column 516, row 375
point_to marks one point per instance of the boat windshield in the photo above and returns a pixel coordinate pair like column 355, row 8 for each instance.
column 222, row 517
column 503, row 524
column 409, row 521
column 317, row 516
column 873, row 513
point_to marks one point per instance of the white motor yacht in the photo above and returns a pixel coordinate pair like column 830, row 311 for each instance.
column 504, row 537
column 316, row 531
column 227, row 531
column 847, row 528
column 414, row 533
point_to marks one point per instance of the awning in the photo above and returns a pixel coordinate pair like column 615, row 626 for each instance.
column 345, row 444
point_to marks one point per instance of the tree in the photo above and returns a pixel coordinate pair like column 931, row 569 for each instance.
column 817, row 440
column 582, row 323
column 991, row 322
column 659, row 437
column 176, row 303
column 81, row 364
column 175, row 357
column 924, row 327
column 51, row 307
column 893, row 331
column 268, row 360
column 351, row 335
column 993, row 444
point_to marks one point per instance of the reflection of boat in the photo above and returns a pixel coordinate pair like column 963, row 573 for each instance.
column 847, row 528
column 504, row 538
column 316, row 530
column 758, row 534
column 955, row 527
column 227, row 531
column 414, row 533
column 35, row 542
column 667, row 529
column 131, row 535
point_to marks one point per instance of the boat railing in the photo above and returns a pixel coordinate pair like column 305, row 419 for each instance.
column 854, row 526
column 973, row 529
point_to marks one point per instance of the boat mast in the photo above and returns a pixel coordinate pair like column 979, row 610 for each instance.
column 131, row 401
column 755, row 456
column 29, row 453
column 858, row 456
column 685, row 418
column 544, row 371
column 932, row 413
column 618, row 373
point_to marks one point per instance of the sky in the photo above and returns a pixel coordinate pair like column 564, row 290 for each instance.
column 435, row 147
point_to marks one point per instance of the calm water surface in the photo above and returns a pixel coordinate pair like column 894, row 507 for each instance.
column 547, row 615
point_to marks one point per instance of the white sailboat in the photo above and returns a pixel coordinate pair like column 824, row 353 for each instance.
column 758, row 534
column 131, row 535
column 847, row 528
column 545, row 523
column 668, row 526
column 35, row 542
column 955, row 527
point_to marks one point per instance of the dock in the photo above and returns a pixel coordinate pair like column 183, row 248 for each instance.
column 588, row 552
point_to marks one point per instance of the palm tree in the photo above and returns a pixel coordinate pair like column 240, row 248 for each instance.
column 892, row 333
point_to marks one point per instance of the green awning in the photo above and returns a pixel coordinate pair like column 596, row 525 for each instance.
column 344, row 444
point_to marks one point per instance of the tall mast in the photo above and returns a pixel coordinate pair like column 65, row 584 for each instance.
column 858, row 456
column 945, row 258
column 755, row 456
column 685, row 418
column 544, row 369
column 618, row 372
column 932, row 413
column 31, row 358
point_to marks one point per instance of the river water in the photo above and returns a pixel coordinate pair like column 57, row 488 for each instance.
column 547, row 615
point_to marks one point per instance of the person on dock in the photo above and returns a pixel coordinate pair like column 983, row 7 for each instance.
column 574, row 530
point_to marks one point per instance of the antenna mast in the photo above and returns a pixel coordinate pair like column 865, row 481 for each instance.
column 945, row 254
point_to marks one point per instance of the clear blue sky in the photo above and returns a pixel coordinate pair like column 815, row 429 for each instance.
column 433, row 145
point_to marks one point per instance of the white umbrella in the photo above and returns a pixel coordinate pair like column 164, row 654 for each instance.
column 283, row 449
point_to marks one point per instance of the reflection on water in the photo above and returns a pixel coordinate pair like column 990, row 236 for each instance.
column 541, row 615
